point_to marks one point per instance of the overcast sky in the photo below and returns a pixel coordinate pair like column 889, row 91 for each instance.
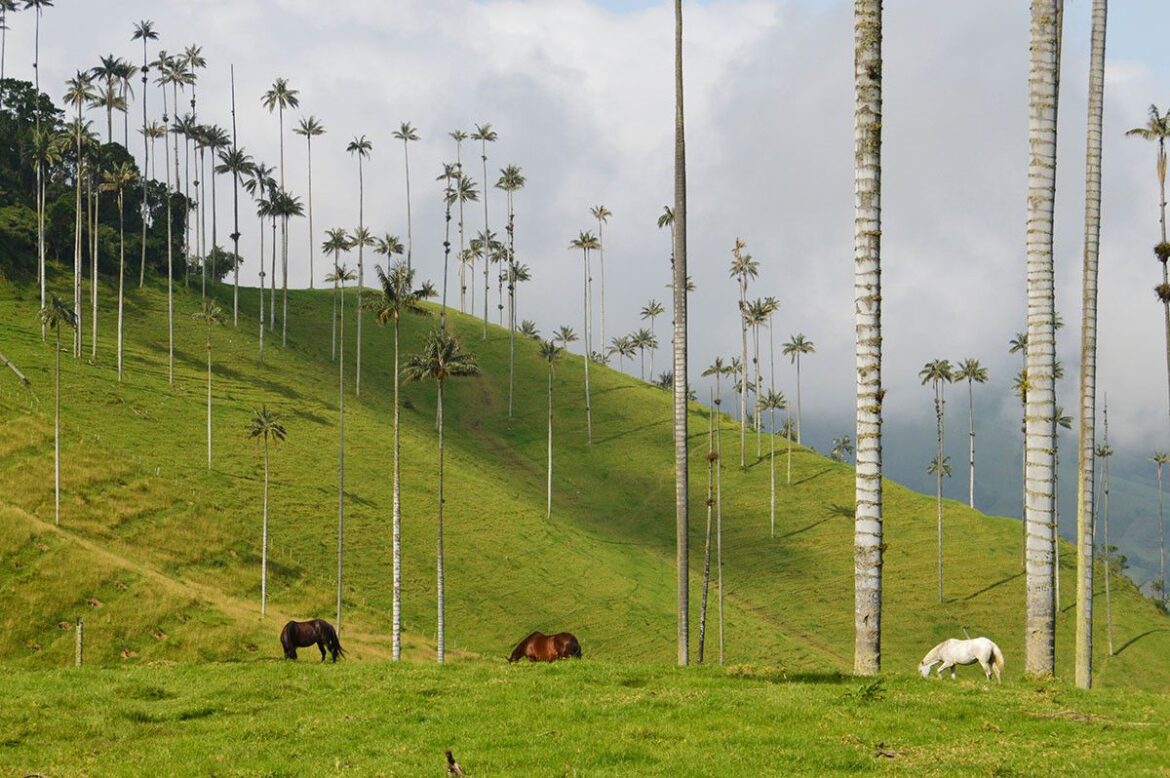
column 581, row 95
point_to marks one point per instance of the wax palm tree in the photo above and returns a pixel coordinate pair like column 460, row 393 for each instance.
column 842, row 448
column 360, row 147
column 340, row 275
column 529, row 330
column 1040, row 570
column 680, row 346
column 211, row 315
column 758, row 314
column 565, row 336
column 641, row 340
column 264, row 426
column 938, row 373
column 796, row 347
column 397, row 296
column 45, row 150
column 310, row 128
column 279, row 97
column 623, row 348
column 285, row 206
column 241, row 165
column 449, row 175
column 463, row 190
column 166, row 76
column 108, row 98
column 652, row 310
column 388, row 246
column 485, row 135
column 440, row 359
column 549, row 352
column 971, row 371
column 337, row 241
column 361, row 239
column 602, row 214
column 144, row 31
column 259, row 185
column 53, row 316
column 459, row 136
column 712, row 458
column 216, row 139
column 868, row 544
column 743, row 269
column 186, row 126
column 117, row 180
column 586, row 241
column 1087, row 429
column 512, row 180
column 79, row 90
column 126, row 71
column 1160, row 458
column 407, row 133
column 772, row 401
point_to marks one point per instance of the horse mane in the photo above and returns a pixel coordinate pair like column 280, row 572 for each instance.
column 934, row 652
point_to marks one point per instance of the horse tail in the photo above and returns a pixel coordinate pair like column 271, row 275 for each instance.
column 998, row 656
column 331, row 640
column 286, row 642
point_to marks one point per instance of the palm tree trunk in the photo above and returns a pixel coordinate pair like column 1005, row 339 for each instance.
column 938, row 476
column 680, row 348
column 357, row 387
column 588, row 408
column 1040, row 571
column 40, row 196
column 743, row 373
column 57, row 431
column 236, row 214
column 548, row 508
column 209, row 395
column 1161, row 539
column 487, row 249
column 261, row 288
column 78, row 273
column 707, row 535
column 719, row 517
column 772, row 462
column 333, row 340
column 145, row 167
column 1105, row 529
column 1087, row 469
column 759, row 394
column 201, row 221
column 396, row 634
column 214, row 225
column 93, row 289
column 340, row 457
column 312, row 272
column 284, row 281
column 442, row 644
column 409, row 226
column 264, row 540
column 867, row 284
column 601, row 240
column 512, row 305
column 971, row 446
column 272, row 282
column 121, row 274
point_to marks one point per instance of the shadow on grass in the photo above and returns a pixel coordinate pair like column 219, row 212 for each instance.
column 1136, row 638
column 989, row 587
column 804, row 529
column 812, row 477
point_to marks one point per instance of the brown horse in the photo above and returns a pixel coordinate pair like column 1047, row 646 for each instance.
column 539, row 647
column 300, row 634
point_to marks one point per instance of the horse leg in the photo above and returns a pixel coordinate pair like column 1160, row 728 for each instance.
column 321, row 648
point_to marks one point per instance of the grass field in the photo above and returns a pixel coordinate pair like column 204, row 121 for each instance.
column 570, row 718
column 161, row 555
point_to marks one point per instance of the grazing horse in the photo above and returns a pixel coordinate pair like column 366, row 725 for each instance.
column 539, row 647
column 300, row 634
column 953, row 652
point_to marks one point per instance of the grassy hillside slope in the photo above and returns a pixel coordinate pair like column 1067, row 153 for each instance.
column 161, row 555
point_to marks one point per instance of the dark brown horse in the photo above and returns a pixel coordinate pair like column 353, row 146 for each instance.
column 300, row 634
column 539, row 647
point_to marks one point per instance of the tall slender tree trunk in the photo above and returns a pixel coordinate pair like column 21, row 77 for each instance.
column 1105, row 522
column 719, row 517
column 121, row 274
column 264, row 541
column 743, row 372
column 938, row 476
column 442, row 643
column 236, row 214
column 588, row 405
column 357, row 388
column 1086, row 444
column 261, row 225
column 680, row 348
column 971, row 444
column 396, row 634
column 707, row 535
column 1161, row 539
column 40, row 197
column 512, row 305
column 548, row 507
column 601, row 259
column 487, row 244
column 272, row 282
column 1040, row 568
column 57, row 430
column 797, row 398
column 340, row 456
column 78, row 273
column 409, row 225
column 867, row 290
column 209, row 395
column 170, row 249
column 283, row 246
column 145, row 167
column 93, row 288
column 312, row 250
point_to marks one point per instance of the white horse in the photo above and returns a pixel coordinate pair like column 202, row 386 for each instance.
column 953, row 652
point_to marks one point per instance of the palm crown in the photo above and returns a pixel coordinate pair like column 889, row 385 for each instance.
column 440, row 359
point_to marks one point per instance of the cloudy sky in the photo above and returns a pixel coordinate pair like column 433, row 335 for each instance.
column 580, row 93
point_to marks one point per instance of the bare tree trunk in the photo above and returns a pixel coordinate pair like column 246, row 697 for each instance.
column 312, row 250
column 396, row 634
column 680, row 348
column 1040, row 570
column 442, row 642
column 357, row 389
column 8, row 363
column 707, row 535
column 548, row 510
column 867, row 290
column 264, row 540
column 121, row 275
column 1086, row 472
column 1105, row 521
column 57, row 432
column 588, row 406
column 340, row 456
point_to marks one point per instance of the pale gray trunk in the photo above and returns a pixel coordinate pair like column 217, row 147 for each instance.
column 93, row 291
column 442, row 643
column 680, row 349
column 1040, row 570
column 312, row 249
column 938, row 476
column 588, row 408
column 121, row 276
column 209, row 395
column 396, row 634
column 797, row 399
column 409, row 227
column 357, row 388
column 145, row 167
column 1105, row 529
column 340, row 457
column 264, row 540
column 601, row 240
column 78, row 272
column 707, row 534
column 1087, row 464
column 170, row 253
column 867, row 292
column 971, row 444
column 57, row 432
column 743, row 372
column 261, row 288
column 487, row 250
column 236, row 213
column 548, row 508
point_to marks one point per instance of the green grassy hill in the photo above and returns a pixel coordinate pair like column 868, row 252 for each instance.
column 161, row 555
